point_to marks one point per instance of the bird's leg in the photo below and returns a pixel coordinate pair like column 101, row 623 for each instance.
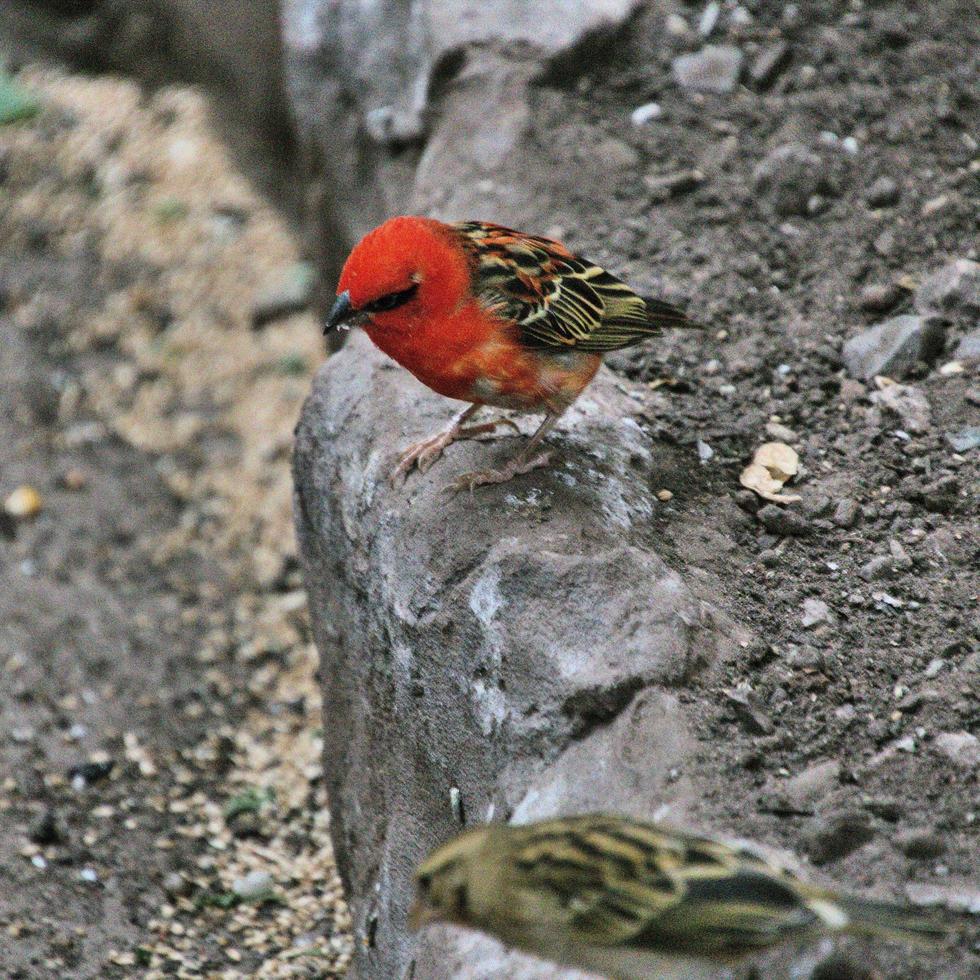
column 423, row 454
column 523, row 462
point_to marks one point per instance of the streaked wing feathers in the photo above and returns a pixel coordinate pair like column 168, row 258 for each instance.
column 558, row 300
column 640, row 886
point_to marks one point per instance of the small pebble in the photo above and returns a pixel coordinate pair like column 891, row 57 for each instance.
column 964, row 440
column 879, row 297
column 45, row 829
column 253, row 885
column 664, row 495
column 815, row 611
column 846, row 513
column 778, row 520
column 920, row 845
column 643, row 114
column 838, row 835
column 768, row 64
column 23, row 503
column 883, row 193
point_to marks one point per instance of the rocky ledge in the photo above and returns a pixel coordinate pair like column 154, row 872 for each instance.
column 514, row 653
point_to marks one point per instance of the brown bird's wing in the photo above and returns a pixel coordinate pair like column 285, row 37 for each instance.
column 558, row 300
column 660, row 891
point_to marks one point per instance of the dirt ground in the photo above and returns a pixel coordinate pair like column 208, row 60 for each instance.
column 159, row 704
column 151, row 615
column 866, row 604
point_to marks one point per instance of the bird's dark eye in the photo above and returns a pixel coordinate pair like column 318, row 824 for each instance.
column 391, row 301
column 425, row 883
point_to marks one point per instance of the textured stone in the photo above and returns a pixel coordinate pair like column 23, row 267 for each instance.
column 789, row 177
column 511, row 644
column 961, row 748
column 837, row 835
column 363, row 78
column 883, row 193
column 968, row 349
column 780, row 520
column 955, row 288
column 892, row 348
column 909, row 404
column 768, row 64
column 715, row 68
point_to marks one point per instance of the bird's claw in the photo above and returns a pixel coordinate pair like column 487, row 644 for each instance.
column 469, row 481
column 423, row 454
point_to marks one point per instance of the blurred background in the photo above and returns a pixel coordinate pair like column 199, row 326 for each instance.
column 180, row 181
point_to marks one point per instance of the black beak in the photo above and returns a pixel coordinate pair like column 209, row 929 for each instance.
column 341, row 313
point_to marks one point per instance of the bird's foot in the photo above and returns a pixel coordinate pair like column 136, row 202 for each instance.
column 423, row 454
column 472, row 431
column 517, row 467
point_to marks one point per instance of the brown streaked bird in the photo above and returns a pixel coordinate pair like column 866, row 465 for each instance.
column 490, row 316
column 629, row 899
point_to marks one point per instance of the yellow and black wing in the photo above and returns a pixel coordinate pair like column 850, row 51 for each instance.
column 635, row 885
column 559, row 300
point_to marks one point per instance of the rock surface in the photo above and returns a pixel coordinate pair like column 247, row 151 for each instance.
column 892, row 348
column 716, row 68
column 514, row 645
column 365, row 79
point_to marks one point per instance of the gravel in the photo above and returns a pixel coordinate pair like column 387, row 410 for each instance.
column 173, row 669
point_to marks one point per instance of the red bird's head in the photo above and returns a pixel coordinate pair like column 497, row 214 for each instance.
column 406, row 269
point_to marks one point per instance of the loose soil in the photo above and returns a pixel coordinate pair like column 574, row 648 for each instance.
column 857, row 703
column 159, row 703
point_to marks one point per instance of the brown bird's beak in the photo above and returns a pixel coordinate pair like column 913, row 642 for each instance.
column 341, row 314
column 421, row 914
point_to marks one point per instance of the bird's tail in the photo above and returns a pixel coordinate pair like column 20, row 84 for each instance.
column 665, row 315
column 869, row 917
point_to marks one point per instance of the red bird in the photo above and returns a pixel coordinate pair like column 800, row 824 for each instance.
column 489, row 316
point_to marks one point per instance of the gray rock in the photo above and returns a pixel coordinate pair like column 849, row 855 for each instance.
column 749, row 712
column 813, row 784
column 253, row 886
column 288, row 293
column 878, row 297
column 964, row 440
column 968, row 349
column 45, row 830
column 482, row 642
column 789, row 177
column 884, row 567
column 962, row 898
column 921, row 845
column 883, row 193
column 955, row 288
column 892, row 348
column 838, row 835
column 846, row 513
column 663, row 187
column 779, row 520
column 815, row 612
column 769, row 63
column 909, row 404
column 961, row 748
column 363, row 78
column 715, row 68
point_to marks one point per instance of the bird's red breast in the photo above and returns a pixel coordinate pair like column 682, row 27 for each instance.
column 485, row 314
